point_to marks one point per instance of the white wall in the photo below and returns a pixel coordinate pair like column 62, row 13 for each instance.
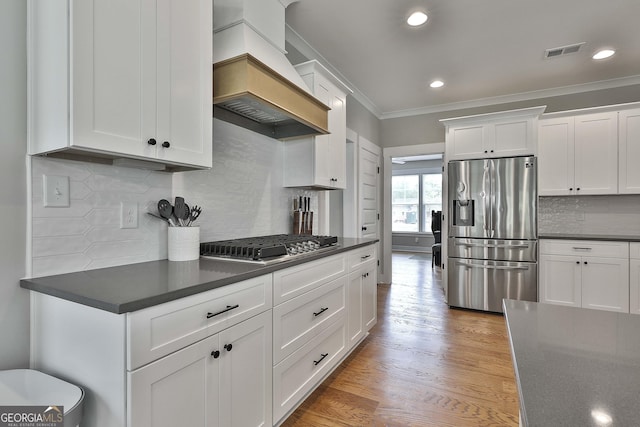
column 14, row 301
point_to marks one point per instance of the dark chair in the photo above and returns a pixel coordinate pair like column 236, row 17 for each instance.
column 436, row 248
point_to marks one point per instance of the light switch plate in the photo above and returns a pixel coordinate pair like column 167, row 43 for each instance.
column 56, row 191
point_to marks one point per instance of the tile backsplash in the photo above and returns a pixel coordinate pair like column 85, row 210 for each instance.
column 242, row 195
column 617, row 215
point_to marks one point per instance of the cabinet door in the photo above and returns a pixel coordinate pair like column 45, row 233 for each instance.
column 338, row 140
column 556, row 156
column 183, row 81
column 560, row 280
column 634, row 286
column 629, row 157
column 246, row 373
column 514, row 138
column 355, row 326
column 605, row 284
column 187, row 379
column 369, row 297
column 110, row 90
column 467, row 142
column 596, row 153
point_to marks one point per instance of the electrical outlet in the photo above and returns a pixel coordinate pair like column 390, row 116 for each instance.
column 55, row 191
column 128, row 214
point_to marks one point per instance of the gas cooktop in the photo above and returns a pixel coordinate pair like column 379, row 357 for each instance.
column 266, row 249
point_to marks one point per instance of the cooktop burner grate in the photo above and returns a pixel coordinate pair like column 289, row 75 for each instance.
column 266, row 247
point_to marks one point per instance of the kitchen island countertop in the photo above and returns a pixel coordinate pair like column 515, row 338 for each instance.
column 607, row 237
column 574, row 366
column 133, row 287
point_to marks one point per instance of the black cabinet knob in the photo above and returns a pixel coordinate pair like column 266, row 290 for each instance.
column 166, row 144
column 228, row 347
column 578, row 189
column 364, row 228
column 152, row 141
column 577, row 262
column 585, row 263
column 215, row 354
column 571, row 189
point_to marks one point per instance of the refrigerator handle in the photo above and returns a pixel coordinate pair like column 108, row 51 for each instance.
column 492, row 197
column 491, row 267
column 486, row 193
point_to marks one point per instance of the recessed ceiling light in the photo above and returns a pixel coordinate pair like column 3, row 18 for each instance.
column 603, row 54
column 417, row 18
column 437, row 83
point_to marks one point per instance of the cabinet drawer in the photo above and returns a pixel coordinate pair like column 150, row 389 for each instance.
column 300, row 319
column 299, row 373
column 360, row 256
column 157, row 331
column 585, row 248
column 294, row 281
column 634, row 250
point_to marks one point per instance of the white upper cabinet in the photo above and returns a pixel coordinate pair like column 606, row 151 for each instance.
column 122, row 78
column 594, row 151
column 503, row 134
column 320, row 161
column 629, row 151
column 578, row 155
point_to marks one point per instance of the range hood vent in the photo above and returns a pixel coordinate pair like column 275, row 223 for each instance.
column 248, row 93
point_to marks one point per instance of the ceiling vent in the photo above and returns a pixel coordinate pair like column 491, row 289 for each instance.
column 563, row 50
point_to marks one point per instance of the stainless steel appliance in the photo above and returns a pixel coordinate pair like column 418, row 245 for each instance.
column 267, row 250
column 492, row 244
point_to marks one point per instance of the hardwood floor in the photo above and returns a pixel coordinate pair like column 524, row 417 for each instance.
column 423, row 364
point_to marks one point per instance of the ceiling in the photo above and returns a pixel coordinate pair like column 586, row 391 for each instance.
column 486, row 51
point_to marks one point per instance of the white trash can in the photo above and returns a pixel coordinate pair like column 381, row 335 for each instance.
column 27, row 387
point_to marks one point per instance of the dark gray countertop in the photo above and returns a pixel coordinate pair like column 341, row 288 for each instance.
column 135, row 286
column 609, row 237
column 574, row 366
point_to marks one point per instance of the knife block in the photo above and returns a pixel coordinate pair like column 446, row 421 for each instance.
column 303, row 222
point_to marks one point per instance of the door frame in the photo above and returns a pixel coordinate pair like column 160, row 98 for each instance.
column 387, row 154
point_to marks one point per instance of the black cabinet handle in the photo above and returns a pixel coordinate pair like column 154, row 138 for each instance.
column 152, row 141
column 362, row 258
column 166, row 144
column 322, row 310
column 315, row 362
column 229, row 308
column 228, row 347
column 215, row 354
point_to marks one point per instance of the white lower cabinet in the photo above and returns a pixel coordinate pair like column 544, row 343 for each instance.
column 245, row 354
column 634, row 278
column 362, row 293
column 213, row 381
column 322, row 310
column 588, row 274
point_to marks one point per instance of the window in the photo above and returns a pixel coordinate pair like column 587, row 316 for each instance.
column 413, row 197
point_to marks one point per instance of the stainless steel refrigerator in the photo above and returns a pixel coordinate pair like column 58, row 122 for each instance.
column 492, row 243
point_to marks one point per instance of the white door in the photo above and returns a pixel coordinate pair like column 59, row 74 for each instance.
column 556, row 156
column 634, row 279
column 355, row 329
column 596, row 161
column 629, row 156
column 605, row 284
column 368, row 182
column 369, row 297
column 184, row 85
column 177, row 390
column 246, row 373
column 111, row 50
column 560, row 280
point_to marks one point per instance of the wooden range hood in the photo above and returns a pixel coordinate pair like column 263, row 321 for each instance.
column 248, row 93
